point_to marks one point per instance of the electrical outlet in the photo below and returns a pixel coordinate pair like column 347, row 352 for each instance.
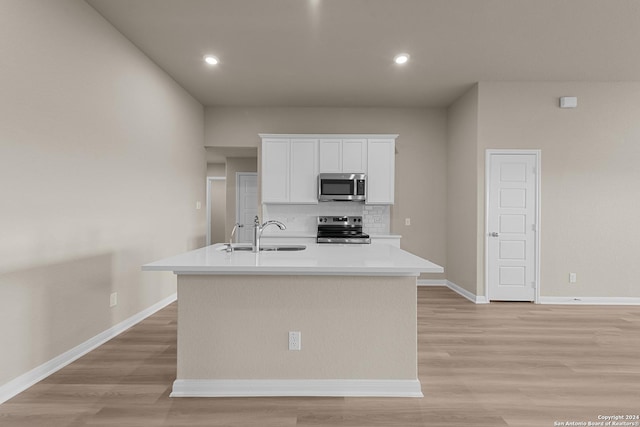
column 198, row 205
column 294, row 340
column 407, row 221
column 113, row 299
column 573, row 278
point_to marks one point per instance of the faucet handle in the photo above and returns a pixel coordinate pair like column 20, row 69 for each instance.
column 256, row 220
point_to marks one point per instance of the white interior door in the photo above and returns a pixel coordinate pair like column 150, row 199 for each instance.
column 512, row 226
column 247, row 204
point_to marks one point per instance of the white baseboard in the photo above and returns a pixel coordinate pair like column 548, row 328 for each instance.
column 590, row 300
column 432, row 282
column 455, row 288
column 542, row 300
column 468, row 295
column 26, row 380
column 314, row 388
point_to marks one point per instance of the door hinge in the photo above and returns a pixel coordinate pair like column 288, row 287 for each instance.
column 534, row 227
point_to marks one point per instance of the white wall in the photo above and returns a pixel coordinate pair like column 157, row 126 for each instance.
column 101, row 165
column 218, row 200
column 218, row 213
column 462, row 188
column 216, row 169
column 590, row 178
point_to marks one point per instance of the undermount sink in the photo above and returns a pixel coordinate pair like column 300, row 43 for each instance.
column 283, row 248
column 245, row 248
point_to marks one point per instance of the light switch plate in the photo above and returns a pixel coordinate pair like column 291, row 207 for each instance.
column 568, row 102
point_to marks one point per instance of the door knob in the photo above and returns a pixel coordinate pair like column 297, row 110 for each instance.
column 494, row 234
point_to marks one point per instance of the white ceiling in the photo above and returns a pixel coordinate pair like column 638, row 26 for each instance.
column 338, row 53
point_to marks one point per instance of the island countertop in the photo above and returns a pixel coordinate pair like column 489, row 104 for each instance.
column 316, row 259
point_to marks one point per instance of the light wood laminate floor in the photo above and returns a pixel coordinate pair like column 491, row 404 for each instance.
column 502, row 364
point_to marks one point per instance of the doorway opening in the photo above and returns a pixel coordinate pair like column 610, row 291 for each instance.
column 216, row 209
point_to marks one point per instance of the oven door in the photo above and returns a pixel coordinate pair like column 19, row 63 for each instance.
column 342, row 235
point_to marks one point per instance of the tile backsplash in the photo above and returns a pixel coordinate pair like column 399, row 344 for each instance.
column 377, row 219
column 302, row 219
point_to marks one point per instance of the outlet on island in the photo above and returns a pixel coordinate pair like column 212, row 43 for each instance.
column 294, row 340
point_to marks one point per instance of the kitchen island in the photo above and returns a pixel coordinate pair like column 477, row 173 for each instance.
column 354, row 306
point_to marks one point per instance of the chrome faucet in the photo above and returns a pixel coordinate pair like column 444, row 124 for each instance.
column 258, row 229
column 235, row 227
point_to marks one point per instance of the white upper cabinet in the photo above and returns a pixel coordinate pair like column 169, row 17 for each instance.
column 330, row 156
column 275, row 170
column 354, row 155
column 380, row 171
column 291, row 164
column 304, row 171
column 343, row 155
column 289, row 170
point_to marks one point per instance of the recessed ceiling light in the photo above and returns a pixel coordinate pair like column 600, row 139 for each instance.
column 211, row 60
column 402, row 58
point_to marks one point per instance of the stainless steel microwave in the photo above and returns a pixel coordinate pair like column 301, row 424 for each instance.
column 344, row 187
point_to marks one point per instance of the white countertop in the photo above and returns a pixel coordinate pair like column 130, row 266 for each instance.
column 316, row 259
column 285, row 235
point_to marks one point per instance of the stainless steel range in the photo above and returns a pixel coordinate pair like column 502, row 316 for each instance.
column 341, row 229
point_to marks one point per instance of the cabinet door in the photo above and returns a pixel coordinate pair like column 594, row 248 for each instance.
column 304, row 171
column 330, row 155
column 354, row 155
column 275, row 171
column 381, row 171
